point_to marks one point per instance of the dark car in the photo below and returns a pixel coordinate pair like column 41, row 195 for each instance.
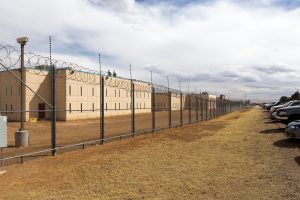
column 268, row 106
column 292, row 130
column 288, row 114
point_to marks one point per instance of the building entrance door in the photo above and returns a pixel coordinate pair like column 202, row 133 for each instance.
column 42, row 113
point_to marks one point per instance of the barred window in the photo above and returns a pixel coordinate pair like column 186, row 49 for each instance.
column 70, row 90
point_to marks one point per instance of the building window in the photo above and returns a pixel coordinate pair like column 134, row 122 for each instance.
column 93, row 92
column 81, row 90
column 126, row 105
column 115, row 106
column 144, row 94
column 93, row 106
column 115, row 93
column 70, row 108
column 11, row 90
column 119, row 93
column 70, row 90
column 6, row 108
column 119, row 106
column 11, row 108
column 6, row 91
column 144, row 105
column 80, row 107
column 106, row 93
column 106, row 106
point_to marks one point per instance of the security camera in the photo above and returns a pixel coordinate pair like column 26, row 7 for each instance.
column 22, row 40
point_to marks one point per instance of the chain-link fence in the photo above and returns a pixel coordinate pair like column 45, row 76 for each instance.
column 53, row 106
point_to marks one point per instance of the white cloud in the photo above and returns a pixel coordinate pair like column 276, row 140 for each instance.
column 206, row 43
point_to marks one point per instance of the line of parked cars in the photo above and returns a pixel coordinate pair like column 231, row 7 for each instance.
column 287, row 113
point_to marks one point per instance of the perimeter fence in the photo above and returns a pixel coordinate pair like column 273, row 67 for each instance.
column 59, row 106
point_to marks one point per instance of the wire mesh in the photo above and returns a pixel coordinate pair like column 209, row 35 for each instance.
column 128, row 107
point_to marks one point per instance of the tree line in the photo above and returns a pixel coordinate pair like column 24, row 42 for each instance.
column 295, row 96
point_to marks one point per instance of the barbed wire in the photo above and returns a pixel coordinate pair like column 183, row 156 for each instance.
column 40, row 65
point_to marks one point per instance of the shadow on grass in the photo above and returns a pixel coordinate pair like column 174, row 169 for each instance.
column 271, row 122
column 287, row 143
column 297, row 159
column 270, row 131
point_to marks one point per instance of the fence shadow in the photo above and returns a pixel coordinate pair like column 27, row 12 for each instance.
column 271, row 131
column 287, row 143
column 297, row 159
column 271, row 122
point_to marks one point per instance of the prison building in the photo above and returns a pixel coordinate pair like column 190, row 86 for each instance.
column 77, row 95
column 162, row 101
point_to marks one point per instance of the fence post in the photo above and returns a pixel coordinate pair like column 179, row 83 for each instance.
column 101, row 109
column 201, row 100
column 181, row 107
column 53, row 110
column 132, row 109
column 210, row 111
column 190, row 109
column 170, row 108
column 153, row 108
column 197, row 109
column 217, row 107
column 206, row 108
column 222, row 107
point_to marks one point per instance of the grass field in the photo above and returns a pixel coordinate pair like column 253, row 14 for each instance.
column 238, row 156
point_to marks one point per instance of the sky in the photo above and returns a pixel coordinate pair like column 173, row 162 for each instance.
column 231, row 47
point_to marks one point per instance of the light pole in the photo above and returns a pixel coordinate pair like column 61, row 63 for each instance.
column 21, row 136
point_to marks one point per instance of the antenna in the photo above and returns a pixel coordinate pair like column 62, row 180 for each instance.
column 188, row 88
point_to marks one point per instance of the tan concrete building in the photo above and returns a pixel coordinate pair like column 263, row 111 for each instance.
column 78, row 95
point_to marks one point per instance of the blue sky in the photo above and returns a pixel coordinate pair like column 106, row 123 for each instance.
column 283, row 3
column 221, row 46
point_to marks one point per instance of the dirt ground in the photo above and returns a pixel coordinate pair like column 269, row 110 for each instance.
column 77, row 131
column 238, row 156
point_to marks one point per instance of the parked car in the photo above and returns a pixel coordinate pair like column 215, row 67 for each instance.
column 282, row 104
column 268, row 106
column 292, row 130
column 287, row 104
column 288, row 114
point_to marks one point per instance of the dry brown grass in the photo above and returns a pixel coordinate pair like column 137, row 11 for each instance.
column 238, row 156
